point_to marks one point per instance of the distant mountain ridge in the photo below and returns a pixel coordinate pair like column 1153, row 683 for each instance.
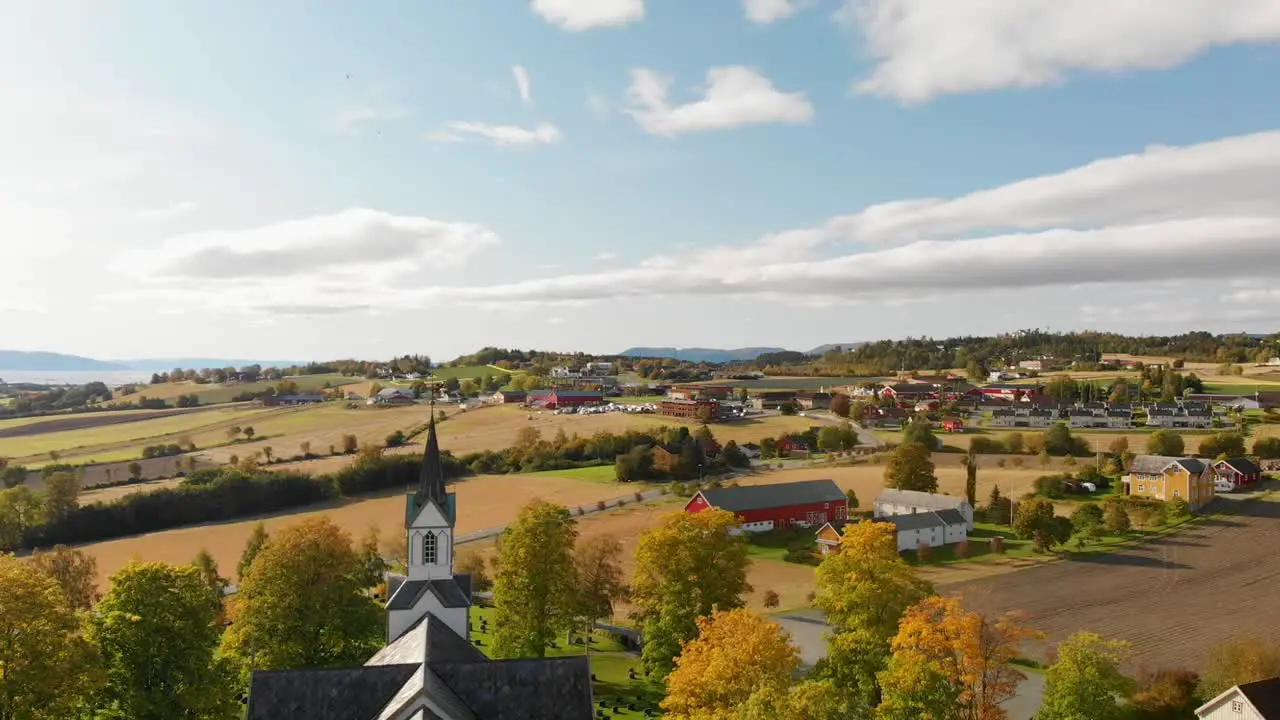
column 54, row 362
column 832, row 346
column 21, row 360
column 713, row 355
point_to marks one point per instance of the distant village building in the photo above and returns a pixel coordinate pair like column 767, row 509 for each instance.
column 891, row 502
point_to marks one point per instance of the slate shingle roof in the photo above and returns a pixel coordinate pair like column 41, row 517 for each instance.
column 348, row 694
column 523, row 689
column 1264, row 695
column 1155, row 464
column 760, row 497
column 452, row 593
column 933, row 501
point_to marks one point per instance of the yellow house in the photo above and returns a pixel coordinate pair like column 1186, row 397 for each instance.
column 1160, row 477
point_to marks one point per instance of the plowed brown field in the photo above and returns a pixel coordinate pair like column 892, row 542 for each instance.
column 1173, row 598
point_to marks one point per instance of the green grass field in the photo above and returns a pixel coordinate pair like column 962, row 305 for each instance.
column 475, row 372
column 610, row 665
column 594, row 473
column 1240, row 388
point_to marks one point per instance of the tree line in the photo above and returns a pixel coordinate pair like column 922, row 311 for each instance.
column 164, row 642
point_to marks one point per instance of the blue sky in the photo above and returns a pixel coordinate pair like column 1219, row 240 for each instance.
column 320, row 179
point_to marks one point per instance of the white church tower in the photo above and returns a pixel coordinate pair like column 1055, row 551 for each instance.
column 431, row 587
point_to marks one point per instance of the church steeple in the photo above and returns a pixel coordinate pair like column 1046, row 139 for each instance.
column 431, row 477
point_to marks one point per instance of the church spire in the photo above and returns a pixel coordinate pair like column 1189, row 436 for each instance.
column 431, row 478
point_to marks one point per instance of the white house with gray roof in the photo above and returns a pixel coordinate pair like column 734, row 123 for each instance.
column 429, row 669
column 892, row 502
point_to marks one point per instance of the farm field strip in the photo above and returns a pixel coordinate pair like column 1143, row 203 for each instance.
column 86, row 441
column 211, row 393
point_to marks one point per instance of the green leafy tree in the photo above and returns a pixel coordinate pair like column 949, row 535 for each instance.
column 919, row 430
column 971, row 477
column 13, row 476
column 911, row 467
column 210, row 575
column 688, row 566
column 332, row 624
column 1087, row 520
column 249, row 432
column 829, row 438
column 601, row 583
column 1267, row 448
column 135, row 471
column 75, row 571
column 534, row 589
column 1115, row 518
column 733, row 455
column 1165, row 694
column 157, row 630
column 61, row 495
column 1165, row 442
column 1086, row 681
column 257, row 539
column 46, row 668
column 21, row 509
column 1034, row 520
column 852, row 497
column 1230, row 444
column 372, row 566
column 840, row 405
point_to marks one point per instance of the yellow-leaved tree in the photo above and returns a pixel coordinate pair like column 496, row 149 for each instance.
column 949, row 663
column 302, row 605
column 735, row 655
column 687, row 567
column 47, row 669
column 864, row 588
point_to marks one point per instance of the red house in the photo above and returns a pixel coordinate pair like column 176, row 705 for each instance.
column 808, row 503
column 571, row 398
column 953, row 425
column 1240, row 471
column 790, row 445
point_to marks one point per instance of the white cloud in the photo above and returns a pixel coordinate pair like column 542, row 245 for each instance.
column 166, row 212
column 605, row 257
column 355, row 119
column 734, row 96
column 926, row 48
column 353, row 260
column 764, row 12
column 1162, row 216
column 579, row 15
column 16, row 307
column 523, row 85
column 505, row 135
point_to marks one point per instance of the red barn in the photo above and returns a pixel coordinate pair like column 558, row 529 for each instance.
column 953, row 425
column 571, row 398
column 808, row 503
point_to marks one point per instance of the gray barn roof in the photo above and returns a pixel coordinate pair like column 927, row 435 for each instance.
column 761, row 497
column 933, row 501
column 925, row 520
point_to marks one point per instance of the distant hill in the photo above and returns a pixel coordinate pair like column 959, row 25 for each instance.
column 832, row 346
column 700, row 354
column 54, row 362
column 163, row 364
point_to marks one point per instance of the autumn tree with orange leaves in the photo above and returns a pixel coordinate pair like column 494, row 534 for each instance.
column 951, row 664
column 735, row 655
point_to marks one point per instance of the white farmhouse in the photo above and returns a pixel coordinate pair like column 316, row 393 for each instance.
column 932, row 528
column 1251, row 701
column 909, row 502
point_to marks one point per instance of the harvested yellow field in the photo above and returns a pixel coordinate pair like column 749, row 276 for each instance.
column 483, row 502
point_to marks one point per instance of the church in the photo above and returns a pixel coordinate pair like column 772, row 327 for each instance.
column 429, row 669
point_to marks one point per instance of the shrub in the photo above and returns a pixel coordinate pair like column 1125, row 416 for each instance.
column 810, row 597
column 395, row 439
column 600, row 505
column 770, row 599
column 1001, row 462
column 1178, row 509
column 621, row 502
column 639, row 496
column 1018, row 462
column 580, row 511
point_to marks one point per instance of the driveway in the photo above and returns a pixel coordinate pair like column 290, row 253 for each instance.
column 808, row 632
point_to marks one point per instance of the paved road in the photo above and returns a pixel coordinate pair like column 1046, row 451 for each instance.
column 808, row 632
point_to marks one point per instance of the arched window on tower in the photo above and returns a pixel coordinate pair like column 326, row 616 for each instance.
column 429, row 549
